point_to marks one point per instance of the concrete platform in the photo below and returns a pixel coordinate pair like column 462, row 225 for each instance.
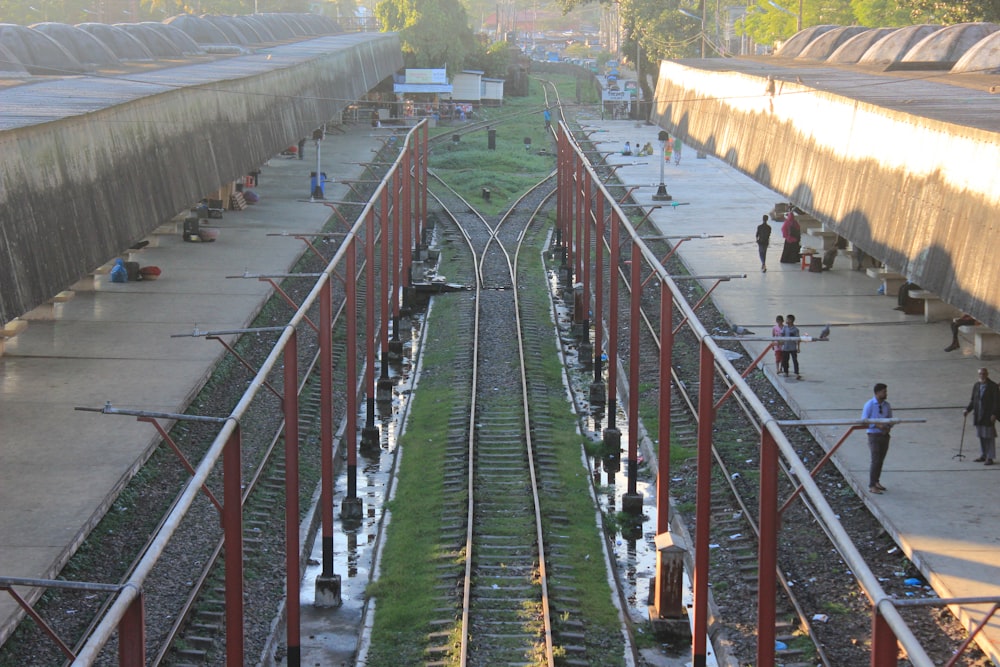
column 938, row 508
column 61, row 467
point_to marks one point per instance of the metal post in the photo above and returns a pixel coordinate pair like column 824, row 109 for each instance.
column 767, row 549
column 291, row 410
column 351, row 429
column 613, row 279
column 409, row 164
column 369, row 434
column 232, row 528
column 632, row 501
column 663, row 451
column 885, row 646
column 327, row 592
column 132, row 634
column 317, row 193
column 598, row 395
column 703, row 506
column 384, row 390
column 661, row 190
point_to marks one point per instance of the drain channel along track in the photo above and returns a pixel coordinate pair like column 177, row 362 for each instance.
column 505, row 611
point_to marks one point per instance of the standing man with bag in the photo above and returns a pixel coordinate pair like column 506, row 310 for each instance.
column 985, row 408
column 878, row 435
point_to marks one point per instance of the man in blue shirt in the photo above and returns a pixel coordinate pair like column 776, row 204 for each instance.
column 878, row 434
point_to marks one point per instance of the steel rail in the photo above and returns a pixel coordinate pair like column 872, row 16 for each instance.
column 475, row 430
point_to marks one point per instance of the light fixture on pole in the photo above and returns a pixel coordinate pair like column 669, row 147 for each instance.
column 661, row 190
column 696, row 18
column 798, row 17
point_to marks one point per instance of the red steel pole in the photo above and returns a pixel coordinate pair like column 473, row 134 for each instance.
column 599, row 289
column 703, row 506
column 613, row 262
column 351, row 429
column 767, row 549
column 232, row 529
column 132, row 634
column 291, row 410
column 663, row 451
column 585, row 256
column 408, row 190
column 370, row 330
column 384, row 274
column 326, row 422
column 635, row 326
column 885, row 646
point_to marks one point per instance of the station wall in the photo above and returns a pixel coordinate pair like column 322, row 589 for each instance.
column 921, row 195
column 78, row 190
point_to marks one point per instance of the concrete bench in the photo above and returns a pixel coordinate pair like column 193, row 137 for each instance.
column 823, row 239
column 11, row 329
column 47, row 310
column 891, row 281
column 987, row 342
column 935, row 310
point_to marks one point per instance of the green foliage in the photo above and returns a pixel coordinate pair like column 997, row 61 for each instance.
column 492, row 59
column 433, row 33
column 880, row 13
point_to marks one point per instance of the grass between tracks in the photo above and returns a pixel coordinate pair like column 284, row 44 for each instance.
column 406, row 590
column 508, row 171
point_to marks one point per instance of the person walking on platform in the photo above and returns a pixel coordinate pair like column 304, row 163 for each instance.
column 776, row 330
column 985, row 408
column 763, row 240
column 790, row 348
column 677, row 151
column 878, row 435
column 792, row 233
column 302, row 148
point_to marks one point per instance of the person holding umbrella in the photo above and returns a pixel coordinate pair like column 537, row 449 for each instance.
column 985, row 408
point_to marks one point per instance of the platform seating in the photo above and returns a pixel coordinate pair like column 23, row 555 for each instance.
column 891, row 281
column 935, row 310
column 11, row 329
column 47, row 310
column 987, row 342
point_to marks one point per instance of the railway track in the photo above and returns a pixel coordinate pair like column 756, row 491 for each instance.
column 504, row 592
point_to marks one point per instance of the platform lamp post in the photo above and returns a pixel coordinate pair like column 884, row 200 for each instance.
column 697, row 18
column 798, row 17
column 317, row 191
column 661, row 190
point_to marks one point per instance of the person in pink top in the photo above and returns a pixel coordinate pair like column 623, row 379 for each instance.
column 779, row 325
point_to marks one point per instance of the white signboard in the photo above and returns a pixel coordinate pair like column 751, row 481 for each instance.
column 426, row 76
column 616, row 96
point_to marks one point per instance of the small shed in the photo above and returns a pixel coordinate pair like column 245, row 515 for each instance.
column 467, row 86
column 493, row 92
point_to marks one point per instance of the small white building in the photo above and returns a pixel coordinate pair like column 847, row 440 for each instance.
column 492, row 94
column 467, row 86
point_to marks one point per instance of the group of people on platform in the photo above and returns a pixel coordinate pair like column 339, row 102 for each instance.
column 984, row 404
column 791, row 250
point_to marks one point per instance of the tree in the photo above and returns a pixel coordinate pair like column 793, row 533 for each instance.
column 491, row 59
column 433, row 33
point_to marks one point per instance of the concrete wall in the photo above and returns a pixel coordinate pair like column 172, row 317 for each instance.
column 921, row 195
column 78, row 190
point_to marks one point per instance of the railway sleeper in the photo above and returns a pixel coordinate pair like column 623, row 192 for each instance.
column 199, row 657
